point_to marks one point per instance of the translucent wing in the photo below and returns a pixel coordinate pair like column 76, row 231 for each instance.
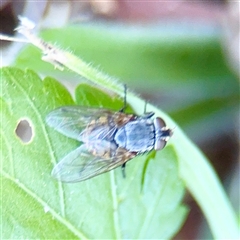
column 72, row 120
column 88, row 161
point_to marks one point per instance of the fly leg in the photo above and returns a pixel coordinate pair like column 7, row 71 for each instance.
column 145, row 107
column 123, row 170
column 124, row 99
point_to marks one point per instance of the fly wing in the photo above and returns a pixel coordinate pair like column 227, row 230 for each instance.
column 72, row 120
column 88, row 161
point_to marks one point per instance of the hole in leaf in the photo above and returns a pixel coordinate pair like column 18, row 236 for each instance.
column 24, row 131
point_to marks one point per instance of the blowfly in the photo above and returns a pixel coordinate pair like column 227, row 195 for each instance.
column 109, row 139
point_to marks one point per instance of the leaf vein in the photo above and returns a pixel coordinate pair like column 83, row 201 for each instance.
column 150, row 213
column 48, row 142
column 115, row 205
column 44, row 204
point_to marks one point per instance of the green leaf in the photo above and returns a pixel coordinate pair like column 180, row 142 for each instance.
column 146, row 204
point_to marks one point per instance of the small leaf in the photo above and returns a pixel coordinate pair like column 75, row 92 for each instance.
column 108, row 206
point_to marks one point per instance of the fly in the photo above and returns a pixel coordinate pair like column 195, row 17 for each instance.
column 109, row 138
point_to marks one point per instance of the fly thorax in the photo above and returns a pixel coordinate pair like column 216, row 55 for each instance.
column 136, row 136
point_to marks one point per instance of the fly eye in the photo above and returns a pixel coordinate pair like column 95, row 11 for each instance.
column 159, row 123
column 159, row 144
